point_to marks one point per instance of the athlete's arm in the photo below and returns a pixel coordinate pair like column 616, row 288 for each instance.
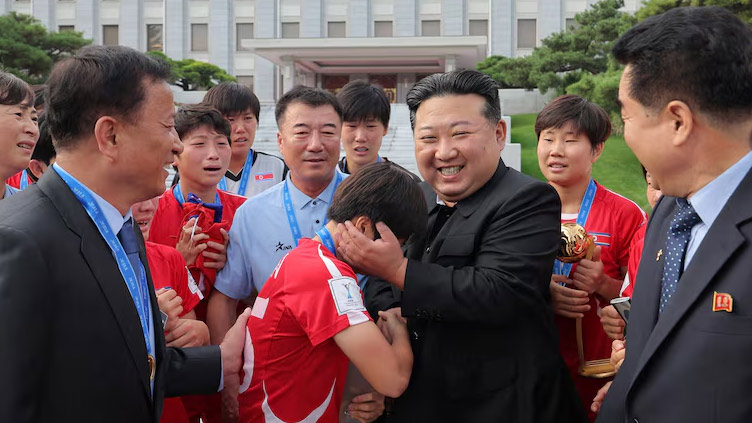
column 220, row 315
column 386, row 367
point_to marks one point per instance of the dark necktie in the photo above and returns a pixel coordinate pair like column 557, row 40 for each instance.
column 677, row 240
column 128, row 240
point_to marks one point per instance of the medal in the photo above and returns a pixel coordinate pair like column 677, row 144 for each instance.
column 152, row 366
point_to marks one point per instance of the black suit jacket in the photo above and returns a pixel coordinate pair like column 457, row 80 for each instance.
column 71, row 344
column 691, row 364
column 478, row 309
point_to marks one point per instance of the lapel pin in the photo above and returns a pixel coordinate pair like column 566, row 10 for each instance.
column 658, row 256
column 722, row 302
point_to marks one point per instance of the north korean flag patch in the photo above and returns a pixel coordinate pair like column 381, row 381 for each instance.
column 268, row 176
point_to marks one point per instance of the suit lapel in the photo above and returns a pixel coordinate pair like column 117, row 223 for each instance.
column 719, row 244
column 100, row 261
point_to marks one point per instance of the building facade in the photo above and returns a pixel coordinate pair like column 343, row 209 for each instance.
column 272, row 45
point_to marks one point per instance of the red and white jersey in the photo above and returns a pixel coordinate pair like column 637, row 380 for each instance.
column 635, row 253
column 612, row 222
column 293, row 370
column 165, row 228
column 168, row 270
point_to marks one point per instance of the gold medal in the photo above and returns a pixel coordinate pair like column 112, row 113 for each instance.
column 152, row 366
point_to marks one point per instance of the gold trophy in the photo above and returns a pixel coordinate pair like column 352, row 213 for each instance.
column 576, row 245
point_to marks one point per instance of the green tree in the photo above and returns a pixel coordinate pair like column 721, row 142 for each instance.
column 29, row 51
column 194, row 75
column 741, row 8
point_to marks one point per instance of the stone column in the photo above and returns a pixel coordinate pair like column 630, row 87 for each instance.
column 311, row 18
column 265, row 26
column 360, row 19
column 87, row 19
column 221, row 33
column 288, row 73
column 44, row 10
column 405, row 18
column 450, row 62
column 502, row 28
column 550, row 17
column 131, row 28
column 176, row 29
column 454, row 16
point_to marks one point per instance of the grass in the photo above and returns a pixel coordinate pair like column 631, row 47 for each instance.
column 616, row 169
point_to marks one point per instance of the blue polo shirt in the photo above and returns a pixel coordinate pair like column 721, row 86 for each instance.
column 260, row 236
column 9, row 190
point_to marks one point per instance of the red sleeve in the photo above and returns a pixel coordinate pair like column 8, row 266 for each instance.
column 168, row 270
column 165, row 226
column 325, row 305
column 184, row 284
column 632, row 219
column 635, row 253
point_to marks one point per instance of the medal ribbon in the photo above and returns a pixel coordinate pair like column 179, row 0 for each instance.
column 587, row 203
column 138, row 287
column 244, row 178
column 326, row 239
column 179, row 195
column 292, row 220
column 24, row 183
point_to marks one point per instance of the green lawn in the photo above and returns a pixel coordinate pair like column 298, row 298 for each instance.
column 616, row 169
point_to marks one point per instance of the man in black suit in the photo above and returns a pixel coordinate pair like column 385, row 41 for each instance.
column 80, row 331
column 686, row 96
column 474, row 287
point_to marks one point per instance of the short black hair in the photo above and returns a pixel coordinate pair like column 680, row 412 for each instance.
column 457, row 82
column 231, row 98
column 383, row 192
column 585, row 116
column 699, row 55
column 44, row 150
column 97, row 81
column 313, row 97
column 194, row 116
column 362, row 101
column 14, row 90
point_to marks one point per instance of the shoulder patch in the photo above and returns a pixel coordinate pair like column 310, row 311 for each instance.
column 346, row 295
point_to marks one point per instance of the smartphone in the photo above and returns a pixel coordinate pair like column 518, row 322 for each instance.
column 622, row 306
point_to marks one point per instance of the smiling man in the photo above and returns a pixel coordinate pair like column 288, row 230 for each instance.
column 474, row 290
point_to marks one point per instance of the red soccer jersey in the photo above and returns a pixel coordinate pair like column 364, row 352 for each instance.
column 165, row 228
column 635, row 253
column 15, row 180
column 293, row 370
column 168, row 270
column 612, row 222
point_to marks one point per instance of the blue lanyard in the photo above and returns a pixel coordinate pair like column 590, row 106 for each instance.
column 326, row 239
column 290, row 209
column 179, row 195
column 139, row 291
column 244, row 178
column 587, row 202
column 24, row 183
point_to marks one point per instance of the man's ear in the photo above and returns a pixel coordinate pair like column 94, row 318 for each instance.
column 364, row 226
column 105, row 134
column 682, row 120
column 37, row 167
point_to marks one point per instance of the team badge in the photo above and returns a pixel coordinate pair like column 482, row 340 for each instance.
column 722, row 302
column 346, row 294
column 658, row 256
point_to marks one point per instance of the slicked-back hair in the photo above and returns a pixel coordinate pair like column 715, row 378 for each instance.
column 194, row 116
column 98, row 81
column 231, row 98
column 313, row 97
column 383, row 192
column 457, row 82
column 362, row 101
column 585, row 117
column 44, row 150
column 699, row 55
column 14, row 90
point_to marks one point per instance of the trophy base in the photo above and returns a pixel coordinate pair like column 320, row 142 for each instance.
column 597, row 369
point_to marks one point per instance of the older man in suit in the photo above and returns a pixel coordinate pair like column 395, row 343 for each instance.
column 80, row 332
column 474, row 288
column 686, row 96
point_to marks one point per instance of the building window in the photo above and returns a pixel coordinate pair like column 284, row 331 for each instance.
column 478, row 27
column 154, row 37
column 571, row 24
column 336, row 30
column 526, row 33
column 243, row 31
column 110, row 35
column 63, row 28
column 290, row 30
column 382, row 28
column 199, row 37
column 430, row 28
column 245, row 80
